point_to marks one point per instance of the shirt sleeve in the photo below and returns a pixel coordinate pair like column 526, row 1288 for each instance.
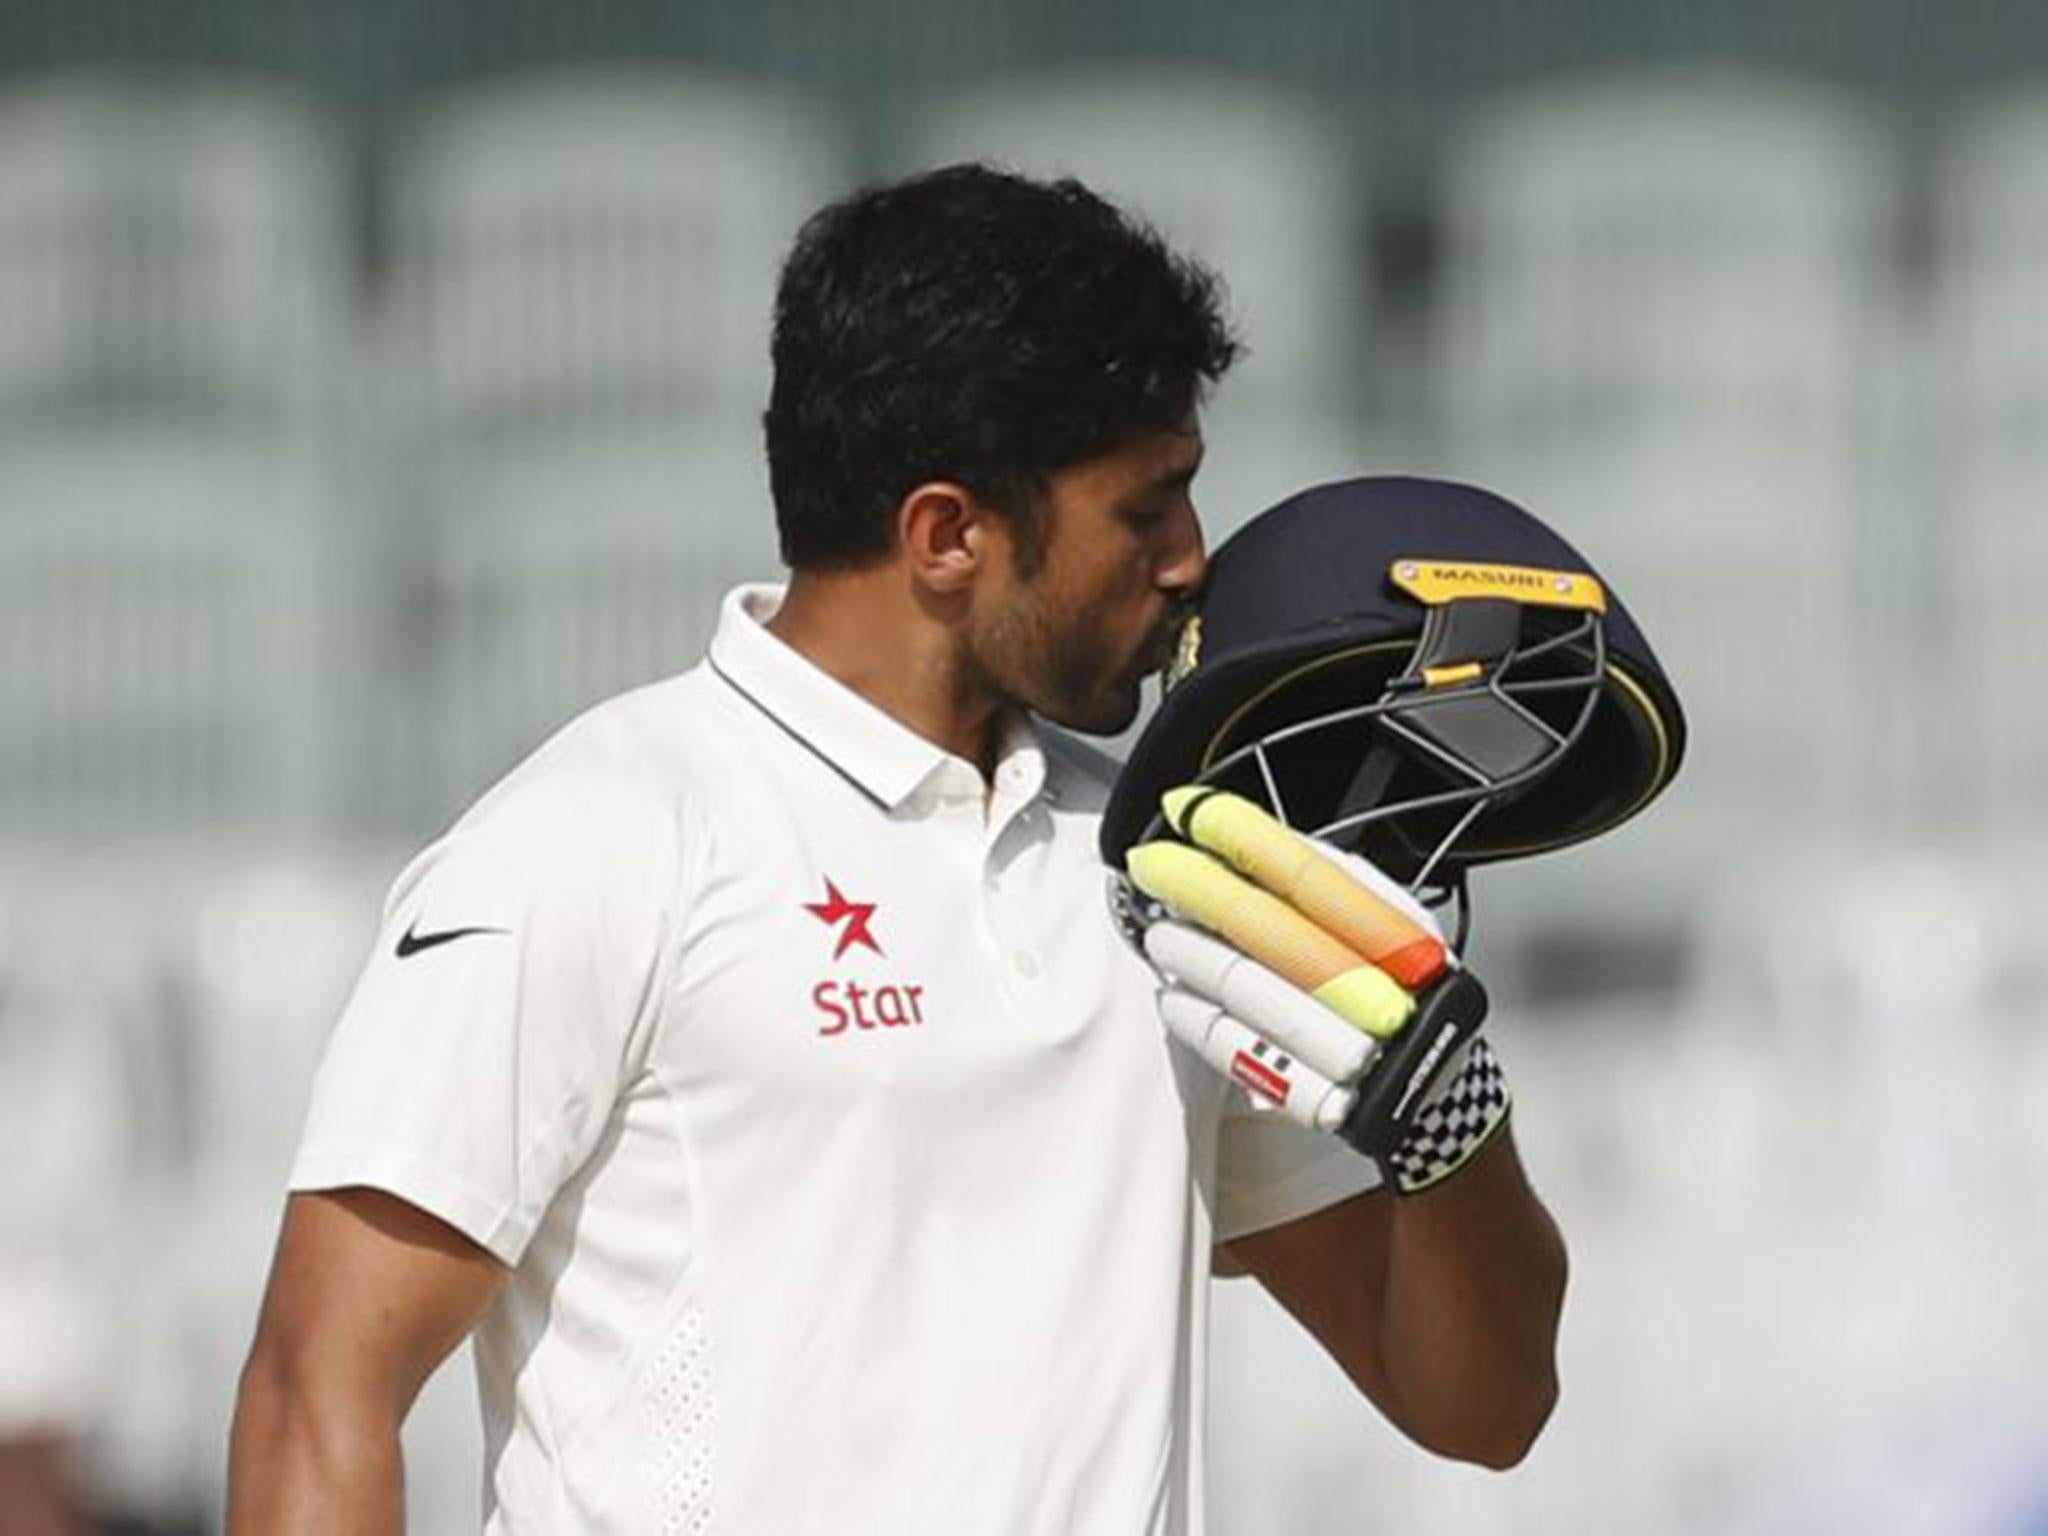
column 509, row 998
column 1270, row 1170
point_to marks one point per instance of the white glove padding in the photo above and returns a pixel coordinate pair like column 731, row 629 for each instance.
column 1215, row 972
column 1271, row 1075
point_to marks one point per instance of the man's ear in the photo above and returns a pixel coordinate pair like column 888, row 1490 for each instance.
column 943, row 533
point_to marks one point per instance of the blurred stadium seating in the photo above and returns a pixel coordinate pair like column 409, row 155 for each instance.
column 1988, row 545
column 1663, row 302
column 297, row 552
column 175, row 248
column 164, row 656
column 174, row 257
column 592, row 251
column 576, row 349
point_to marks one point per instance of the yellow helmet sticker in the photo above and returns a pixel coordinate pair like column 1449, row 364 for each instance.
column 1436, row 582
column 1446, row 677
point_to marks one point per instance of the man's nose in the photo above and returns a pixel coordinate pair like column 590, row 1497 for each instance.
column 1187, row 561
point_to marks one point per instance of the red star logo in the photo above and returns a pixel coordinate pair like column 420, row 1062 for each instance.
column 836, row 909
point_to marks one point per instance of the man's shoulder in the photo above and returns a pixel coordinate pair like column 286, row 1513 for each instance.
column 617, row 796
column 651, row 746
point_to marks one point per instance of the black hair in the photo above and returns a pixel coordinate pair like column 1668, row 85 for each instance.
column 971, row 325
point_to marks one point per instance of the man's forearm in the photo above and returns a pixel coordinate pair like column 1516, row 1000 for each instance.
column 1474, row 1287
column 295, row 1466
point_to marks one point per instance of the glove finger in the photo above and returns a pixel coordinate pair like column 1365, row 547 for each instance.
column 1267, row 1071
column 1384, row 886
column 1204, row 889
column 1331, row 891
column 1203, row 964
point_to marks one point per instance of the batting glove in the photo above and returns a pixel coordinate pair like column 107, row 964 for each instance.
column 1323, row 988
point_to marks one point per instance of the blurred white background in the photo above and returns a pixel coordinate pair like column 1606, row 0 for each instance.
column 380, row 383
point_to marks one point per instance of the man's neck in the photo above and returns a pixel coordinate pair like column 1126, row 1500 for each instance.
column 865, row 629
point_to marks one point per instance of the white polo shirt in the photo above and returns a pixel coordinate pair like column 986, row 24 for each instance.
column 848, row 1180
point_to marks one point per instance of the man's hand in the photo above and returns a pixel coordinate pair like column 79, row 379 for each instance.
column 1320, row 986
column 1327, row 991
column 367, row 1295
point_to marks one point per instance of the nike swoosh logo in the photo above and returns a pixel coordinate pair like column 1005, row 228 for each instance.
column 411, row 942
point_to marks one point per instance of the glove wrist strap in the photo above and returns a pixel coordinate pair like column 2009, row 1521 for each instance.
column 1437, row 1094
column 1469, row 1103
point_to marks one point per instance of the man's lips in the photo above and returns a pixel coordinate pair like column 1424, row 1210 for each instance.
column 1162, row 649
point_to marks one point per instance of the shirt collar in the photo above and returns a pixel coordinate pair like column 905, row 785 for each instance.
column 887, row 759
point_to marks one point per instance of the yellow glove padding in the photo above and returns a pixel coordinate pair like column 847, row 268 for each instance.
column 1259, row 845
column 1307, row 918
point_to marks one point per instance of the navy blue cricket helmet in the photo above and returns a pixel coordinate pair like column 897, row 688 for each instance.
column 1414, row 669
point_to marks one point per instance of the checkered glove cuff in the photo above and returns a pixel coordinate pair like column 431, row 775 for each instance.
column 1467, row 1104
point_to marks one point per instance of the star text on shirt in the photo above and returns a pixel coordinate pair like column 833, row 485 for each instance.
column 836, row 909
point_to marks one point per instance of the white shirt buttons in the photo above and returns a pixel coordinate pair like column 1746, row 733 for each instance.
column 1026, row 964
